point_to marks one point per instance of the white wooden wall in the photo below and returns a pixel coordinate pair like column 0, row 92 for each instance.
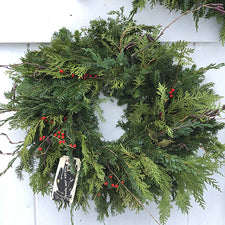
column 25, row 24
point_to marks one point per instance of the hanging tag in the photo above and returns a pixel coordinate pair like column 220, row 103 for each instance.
column 65, row 182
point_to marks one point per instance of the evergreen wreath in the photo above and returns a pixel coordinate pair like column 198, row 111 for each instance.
column 170, row 116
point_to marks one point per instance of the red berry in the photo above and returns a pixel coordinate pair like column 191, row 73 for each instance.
column 59, row 132
column 172, row 90
column 106, row 183
column 112, row 185
column 43, row 137
column 122, row 181
column 63, row 137
column 110, row 176
column 171, row 96
column 60, row 142
column 72, row 75
column 39, row 149
column 63, row 141
column 61, row 71
column 63, row 134
column 116, row 186
column 43, row 118
column 55, row 135
column 99, row 194
column 71, row 145
column 46, row 120
column 59, row 136
column 40, row 138
column 85, row 78
column 160, row 114
column 52, row 121
column 90, row 75
column 96, row 75
column 74, row 146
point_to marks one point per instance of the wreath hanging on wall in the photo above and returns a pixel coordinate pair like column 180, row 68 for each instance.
column 170, row 116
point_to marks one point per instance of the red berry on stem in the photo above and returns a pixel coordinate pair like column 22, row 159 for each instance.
column 40, row 138
column 106, row 183
column 63, row 134
column 55, row 135
column 72, row 75
column 171, row 96
column 110, row 176
column 59, row 136
column 43, row 137
column 39, row 149
column 112, row 185
column 59, row 132
column 96, row 75
column 172, row 90
column 116, row 186
column 61, row 71
column 63, row 141
column 60, row 142
column 71, row 145
column 43, row 118
column 74, row 146
column 99, row 194
column 122, row 181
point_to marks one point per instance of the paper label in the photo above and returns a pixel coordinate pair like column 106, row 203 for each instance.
column 65, row 182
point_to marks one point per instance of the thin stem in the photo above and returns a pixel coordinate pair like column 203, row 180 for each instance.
column 162, row 32
column 10, row 141
column 136, row 199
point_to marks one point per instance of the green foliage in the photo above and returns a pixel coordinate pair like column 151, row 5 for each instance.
column 170, row 114
column 185, row 5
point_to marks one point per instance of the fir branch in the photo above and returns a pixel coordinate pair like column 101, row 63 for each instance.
column 136, row 199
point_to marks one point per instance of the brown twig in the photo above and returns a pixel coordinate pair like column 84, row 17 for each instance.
column 13, row 66
column 165, row 28
column 136, row 199
column 11, row 142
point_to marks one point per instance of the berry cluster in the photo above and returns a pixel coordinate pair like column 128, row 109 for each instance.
column 84, row 77
column 89, row 76
column 61, row 136
column 171, row 92
column 41, row 139
column 111, row 183
column 45, row 119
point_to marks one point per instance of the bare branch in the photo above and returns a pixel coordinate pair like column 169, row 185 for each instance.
column 11, row 142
